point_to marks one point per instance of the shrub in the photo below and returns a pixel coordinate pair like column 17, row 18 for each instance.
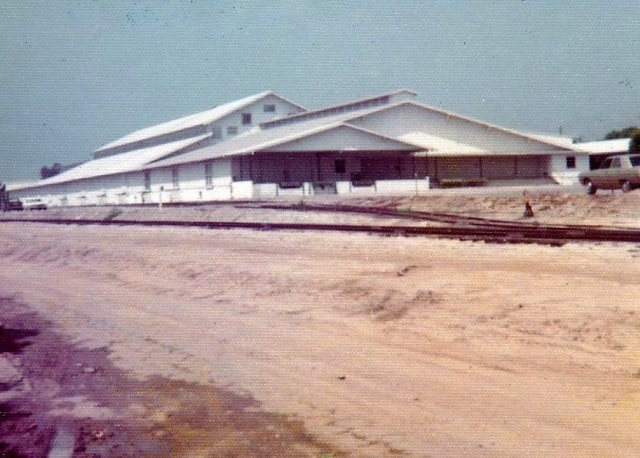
column 114, row 213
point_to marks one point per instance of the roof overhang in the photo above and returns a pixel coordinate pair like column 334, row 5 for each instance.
column 269, row 141
column 120, row 163
column 187, row 122
column 453, row 155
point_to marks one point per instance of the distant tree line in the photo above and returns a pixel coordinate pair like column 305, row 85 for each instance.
column 55, row 169
column 630, row 132
column 46, row 172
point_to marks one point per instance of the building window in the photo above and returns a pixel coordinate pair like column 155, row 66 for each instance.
column 147, row 181
column 270, row 108
column 341, row 166
column 232, row 130
column 208, row 175
column 571, row 162
column 216, row 132
column 175, row 180
column 246, row 118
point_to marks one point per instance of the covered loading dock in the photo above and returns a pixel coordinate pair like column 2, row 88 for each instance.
column 247, row 148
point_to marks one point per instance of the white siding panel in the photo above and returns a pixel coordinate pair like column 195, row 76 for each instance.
column 265, row 190
column 406, row 119
column 343, row 139
column 242, row 190
column 222, row 174
column 562, row 174
column 406, row 187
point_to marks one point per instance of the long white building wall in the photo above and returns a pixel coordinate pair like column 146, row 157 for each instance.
column 565, row 175
column 188, row 183
column 316, row 173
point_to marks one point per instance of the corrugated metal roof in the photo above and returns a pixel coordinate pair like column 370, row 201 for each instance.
column 619, row 145
column 261, row 140
column 197, row 119
column 20, row 185
column 121, row 163
column 485, row 154
column 344, row 109
column 547, row 141
column 559, row 142
column 556, row 139
column 442, row 145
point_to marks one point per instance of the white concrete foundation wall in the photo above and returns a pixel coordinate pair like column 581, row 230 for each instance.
column 362, row 189
column 242, row 190
column 307, row 189
column 194, row 190
column 291, row 191
column 402, row 186
column 343, row 187
column 270, row 190
column 265, row 190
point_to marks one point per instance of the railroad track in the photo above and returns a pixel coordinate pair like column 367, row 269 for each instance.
column 460, row 226
column 449, row 226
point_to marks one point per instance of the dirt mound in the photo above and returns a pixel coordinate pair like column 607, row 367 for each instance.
column 616, row 209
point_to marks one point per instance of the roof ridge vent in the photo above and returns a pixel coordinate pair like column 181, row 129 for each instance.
column 330, row 111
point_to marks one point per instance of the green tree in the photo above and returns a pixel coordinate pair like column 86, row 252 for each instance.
column 628, row 132
column 634, row 144
column 46, row 172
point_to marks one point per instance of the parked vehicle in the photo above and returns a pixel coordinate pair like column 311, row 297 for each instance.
column 34, row 204
column 4, row 197
column 617, row 172
column 13, row 205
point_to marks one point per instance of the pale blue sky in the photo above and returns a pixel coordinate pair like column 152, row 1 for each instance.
column 76, row 74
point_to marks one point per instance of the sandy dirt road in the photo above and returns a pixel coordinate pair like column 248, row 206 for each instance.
column 381, row 346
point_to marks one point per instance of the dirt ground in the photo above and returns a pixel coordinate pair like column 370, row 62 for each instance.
column 132, row 341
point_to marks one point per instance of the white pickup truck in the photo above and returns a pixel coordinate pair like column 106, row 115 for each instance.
column 617, row 172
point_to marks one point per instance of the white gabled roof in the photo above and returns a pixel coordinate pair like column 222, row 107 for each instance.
column 197, row 119
column 556, row 139
column 261, row 140
column 120, row 163
column 546, row 140
column 442, row 145
column 616, row 146
column 345, row 110
column 353, row 111
column 20, row 185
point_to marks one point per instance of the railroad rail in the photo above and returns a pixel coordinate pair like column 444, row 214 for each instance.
column 455, row 227
column 484, row 228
